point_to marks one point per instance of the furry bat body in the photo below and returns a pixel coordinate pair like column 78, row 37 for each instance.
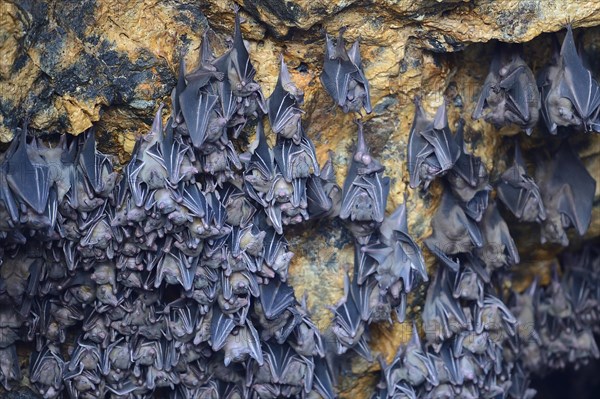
column 284, row 106
column 570, row 95
column 432, row 150
column 509, row 94
column 343, row 76
column 567, row 191
column 520, row 193
column 365, row 190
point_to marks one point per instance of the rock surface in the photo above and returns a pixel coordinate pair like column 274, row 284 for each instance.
column 69, row 65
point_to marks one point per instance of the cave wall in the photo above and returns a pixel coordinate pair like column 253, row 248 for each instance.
column 69, row 65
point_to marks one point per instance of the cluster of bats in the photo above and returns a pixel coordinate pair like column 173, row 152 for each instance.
column 476, row 346
column 170, row 278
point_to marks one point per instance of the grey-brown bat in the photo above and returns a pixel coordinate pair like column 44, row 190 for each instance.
column 567, row 190
column 520, row 193
column 9, row 367
column 399, row 257
column 365, row 191
column 343, row 76
column 323, row 381
column 46, row 372
column 96, row 167
column 296, row 161
column 284, row 106
column 28, row 182
column 432, row 150
column 453, row 231
column 509, row 94
column 348, row 324
column 276, row 297
column 570, row 94
column 443, row 315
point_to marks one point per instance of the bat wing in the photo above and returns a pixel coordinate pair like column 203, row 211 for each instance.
column 354, row 55
column 196, row 107
column 337, row 70
column 262, row 157
column 319, row 202
column 178, row 90
column 240, row 59
column 275, row 297
column 282, row 105
column 221, row 326
column 576, row 188
column 194, row 200
column 578, row 84
column 29, row 182
column 440, row 137
column 418, row 148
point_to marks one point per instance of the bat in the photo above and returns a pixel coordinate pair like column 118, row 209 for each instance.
column 260, row 170
column 9, row 367
column 206, row 71
column 175, row 269
column 276, row 254
column 343, row 76
column 397, row 254
column 493, row 315
column 431, row 150
column 570, row 95
column 169, row 152
column 415, row 361
column 220, row 328
column 567, row 190
column 365, row 191
column 499, row 249
column 275, row 297
column 469, row 182
column 296, row 161
column 241, row 343
column 46, row 372
column 322, row 192
column 453, row 231
column 28, row 182
column 509, row 94
column 323, row 379
column 348, row 324
column 96, row 167
column 442, row 314
column 285, row 114
column 520, row 193
column 196, row 108
column 236, row 65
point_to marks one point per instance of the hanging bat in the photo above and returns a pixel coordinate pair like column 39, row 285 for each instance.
column 243, row 342
column 499, row 249
column 322, row 192
column 28, row 182
column 46, row 372
column 169, row 152
column 236, row 65
column 96, row 167
column 323, row 379
column 296, row 161
column 397, row 254
column 9, row 367
column 509, row 94
column 567, row 190
column 220, row 328
column 343, row 76
column 365, row 190
column 469, row 182
column 432, row 150
column 442, row 315
column 520, row 193
column 453, row 231
column 197, row 107
column 570, row 95
column 260, row 170
column 275, row 298
column 285, row 114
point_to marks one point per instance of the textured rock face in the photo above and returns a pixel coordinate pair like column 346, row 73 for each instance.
column 68, row 65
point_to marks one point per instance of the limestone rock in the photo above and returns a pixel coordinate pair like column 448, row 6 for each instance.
column 71, row 64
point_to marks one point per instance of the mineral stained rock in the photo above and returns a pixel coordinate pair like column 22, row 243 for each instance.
column 68, row 65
